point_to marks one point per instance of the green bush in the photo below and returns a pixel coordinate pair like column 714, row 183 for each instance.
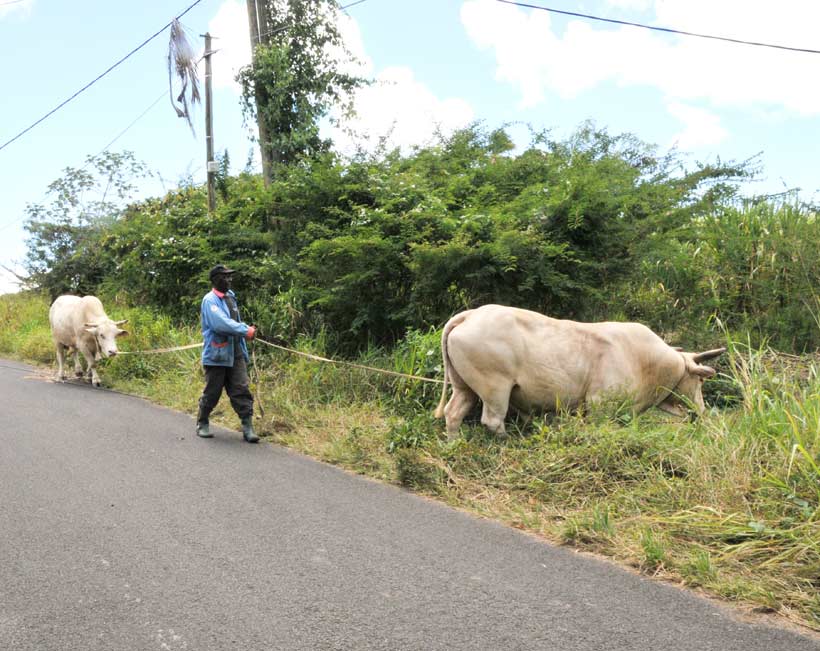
column 371, row 248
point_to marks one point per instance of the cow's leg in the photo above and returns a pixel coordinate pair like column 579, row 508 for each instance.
column 78, row 367
column 60, row 360
column 457, row 408
column 92, row 369
column 95, row 379
column 495, row 409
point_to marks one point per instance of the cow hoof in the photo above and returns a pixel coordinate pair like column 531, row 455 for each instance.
column 97, row 383
column 79, row 373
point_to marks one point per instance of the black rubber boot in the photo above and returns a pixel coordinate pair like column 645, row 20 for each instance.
column 203, row 429
column 247, row 430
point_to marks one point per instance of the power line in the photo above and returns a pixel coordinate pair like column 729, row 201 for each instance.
column 133, row 122
column 88, row 162
column 660, row 29
column 111, row 142
column 141, row 115
column 352, row 4
column 95, row 80
column 117, row 137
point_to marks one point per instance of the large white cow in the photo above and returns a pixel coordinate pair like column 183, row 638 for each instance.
column 505, row 355
column 80, row 325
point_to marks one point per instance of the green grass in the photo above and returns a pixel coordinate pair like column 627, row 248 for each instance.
column 729, row 504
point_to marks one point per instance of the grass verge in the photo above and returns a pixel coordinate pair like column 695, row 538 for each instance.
column 729, row 505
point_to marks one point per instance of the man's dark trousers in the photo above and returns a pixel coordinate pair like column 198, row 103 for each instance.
column 234, row 379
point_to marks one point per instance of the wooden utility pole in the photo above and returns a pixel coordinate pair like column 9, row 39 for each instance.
column 209, row 127
column 253, row 22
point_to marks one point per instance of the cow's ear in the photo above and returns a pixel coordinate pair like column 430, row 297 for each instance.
column 123, row 333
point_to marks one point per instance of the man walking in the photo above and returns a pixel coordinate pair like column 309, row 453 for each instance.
column 225, row 355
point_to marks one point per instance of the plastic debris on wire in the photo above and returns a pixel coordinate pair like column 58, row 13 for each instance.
column 182, row 64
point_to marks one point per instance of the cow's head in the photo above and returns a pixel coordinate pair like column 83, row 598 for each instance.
column 105, row 334
column 689, row 390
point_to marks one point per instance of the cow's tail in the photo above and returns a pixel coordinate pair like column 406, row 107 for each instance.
column 445, row 357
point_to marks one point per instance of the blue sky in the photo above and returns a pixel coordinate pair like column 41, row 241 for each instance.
column 437, row 62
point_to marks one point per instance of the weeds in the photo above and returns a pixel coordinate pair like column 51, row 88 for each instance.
column 654, row 551
column 700, row 569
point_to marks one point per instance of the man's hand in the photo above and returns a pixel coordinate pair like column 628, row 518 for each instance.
column 251, row 332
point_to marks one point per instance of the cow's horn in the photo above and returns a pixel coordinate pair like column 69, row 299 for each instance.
column 91, row 325
column 708, row 354
column 119, row 323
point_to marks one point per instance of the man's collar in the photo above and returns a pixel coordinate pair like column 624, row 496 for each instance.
column 218, row 293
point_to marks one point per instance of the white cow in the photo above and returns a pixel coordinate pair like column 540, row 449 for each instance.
column 505, row 355
column 80, row 325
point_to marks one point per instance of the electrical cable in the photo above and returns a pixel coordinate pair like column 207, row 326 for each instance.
column 352, row 4
column 140, row 116
column 117, row 137
column 95, row 80
column 659, row 29
column 133, row 122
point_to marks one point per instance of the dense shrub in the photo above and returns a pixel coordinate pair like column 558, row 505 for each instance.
column 595, row 227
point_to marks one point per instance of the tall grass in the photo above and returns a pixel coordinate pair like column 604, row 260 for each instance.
column 756, row 267
column 24, row 329
column 729, row 503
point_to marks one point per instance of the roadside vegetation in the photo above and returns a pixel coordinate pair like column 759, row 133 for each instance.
column 727, row 504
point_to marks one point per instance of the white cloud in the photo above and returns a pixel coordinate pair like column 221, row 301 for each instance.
column 398, row 110
column 19, row 8
column 521, row 41
column 402, row 111
column 397, row 107
column 533, row 57
column 639, row 5
column 701, row 128
column 232, row 41
column 360, row 64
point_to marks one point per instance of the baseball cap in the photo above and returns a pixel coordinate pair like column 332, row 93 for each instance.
column 220, row 269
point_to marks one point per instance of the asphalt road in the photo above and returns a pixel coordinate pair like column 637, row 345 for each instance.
column 121, row 530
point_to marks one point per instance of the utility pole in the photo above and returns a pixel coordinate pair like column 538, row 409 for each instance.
column 253, row 22
column 209, row 127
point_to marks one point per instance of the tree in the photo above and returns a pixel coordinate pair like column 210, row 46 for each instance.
column 296, row 77
column 61, row 255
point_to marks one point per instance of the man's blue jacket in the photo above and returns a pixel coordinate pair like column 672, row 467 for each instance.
column 220, row 332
